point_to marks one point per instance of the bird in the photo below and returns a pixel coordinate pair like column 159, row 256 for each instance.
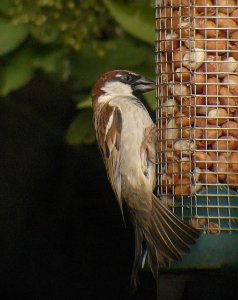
column 127, row 139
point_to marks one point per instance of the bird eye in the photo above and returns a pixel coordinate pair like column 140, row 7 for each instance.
column 126, row 78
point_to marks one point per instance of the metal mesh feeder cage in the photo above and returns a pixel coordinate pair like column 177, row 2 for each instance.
column 197, row 109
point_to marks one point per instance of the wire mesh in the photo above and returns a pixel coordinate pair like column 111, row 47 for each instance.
column 197, row 100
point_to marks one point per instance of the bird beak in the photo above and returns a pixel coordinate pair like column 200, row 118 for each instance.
column 143, row 85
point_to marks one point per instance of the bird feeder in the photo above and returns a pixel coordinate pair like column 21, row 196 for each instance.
column 197, row 117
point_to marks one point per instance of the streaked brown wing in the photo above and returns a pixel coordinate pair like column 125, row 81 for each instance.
column 109, row 125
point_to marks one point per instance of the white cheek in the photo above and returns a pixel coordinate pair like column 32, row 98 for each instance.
column 104, row 98
column 117, row 88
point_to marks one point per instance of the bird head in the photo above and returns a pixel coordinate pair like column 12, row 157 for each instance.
column 120, row 83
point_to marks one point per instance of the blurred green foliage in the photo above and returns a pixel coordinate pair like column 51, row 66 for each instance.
column 75, row 42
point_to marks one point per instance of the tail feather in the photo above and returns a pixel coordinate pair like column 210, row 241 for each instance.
column 185, row 231
column 164, row 231
column 166, row 237
column 176, row 235
column 171, row 236
column 152, row 260
column 157, row 236
column 168, row 229
column 138, row 255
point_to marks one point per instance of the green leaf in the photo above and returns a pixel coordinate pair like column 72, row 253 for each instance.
column 89, row 64
column 81, row 129
column 150, row 100
column 54, row 62
column 138, row 20
column 85, row 103
column 48, row 60
column 18, row 72
column 5, row 5
column 11, row 36
column 47, row 35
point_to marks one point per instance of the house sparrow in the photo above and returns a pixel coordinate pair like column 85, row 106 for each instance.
column 127, row 140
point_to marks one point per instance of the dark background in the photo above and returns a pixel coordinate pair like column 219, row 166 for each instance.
column 61, row 231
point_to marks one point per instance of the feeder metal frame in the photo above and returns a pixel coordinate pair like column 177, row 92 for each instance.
column 216, row 203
